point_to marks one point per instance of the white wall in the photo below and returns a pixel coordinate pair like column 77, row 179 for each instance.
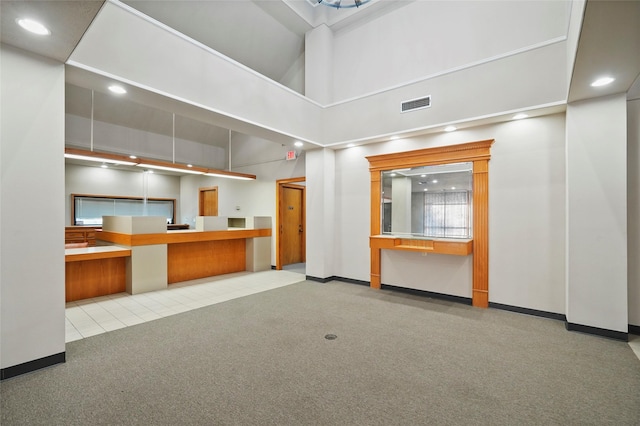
column 236, row 198
column 294, row 77
column 404, row 45
column 321, row 214
column 249, row 151
column 31, row 195
column 319, row 64
column 114, row 182
column 526, row 217
column 490, row 89
column 597, row 213
column 633, row 212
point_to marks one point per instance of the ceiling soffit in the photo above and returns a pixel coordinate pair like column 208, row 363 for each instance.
column 67, row 21
column 608, row 46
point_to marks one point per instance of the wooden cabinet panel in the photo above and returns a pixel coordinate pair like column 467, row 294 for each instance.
column 93, row 278
column 80, row 234
column 189, row 261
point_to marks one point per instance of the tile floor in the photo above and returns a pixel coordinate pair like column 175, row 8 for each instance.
column 85, row 318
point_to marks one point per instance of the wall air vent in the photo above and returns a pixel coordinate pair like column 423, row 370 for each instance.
column 414, row 104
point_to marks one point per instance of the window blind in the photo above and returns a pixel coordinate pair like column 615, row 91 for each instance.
column 89, row 210
column 446, row 214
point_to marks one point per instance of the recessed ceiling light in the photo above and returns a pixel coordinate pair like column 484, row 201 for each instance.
column 33, row 26
column 450, row 128
column 520, row 116
column 298, row 143
column 602, row 81
column 434, row 181
column 117, row 89
column 453, row 187
column 426, row 189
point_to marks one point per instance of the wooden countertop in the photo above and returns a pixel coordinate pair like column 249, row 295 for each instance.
column 180, row 236
column 454, row 246
column 91, row 253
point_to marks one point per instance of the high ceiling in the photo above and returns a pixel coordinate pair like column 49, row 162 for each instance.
column 268, row 36
column 256, row 33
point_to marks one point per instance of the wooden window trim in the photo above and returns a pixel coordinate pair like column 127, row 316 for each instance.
column 478, row 153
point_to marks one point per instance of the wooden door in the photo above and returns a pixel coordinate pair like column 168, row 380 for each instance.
column 292, row 233
column 208, row 201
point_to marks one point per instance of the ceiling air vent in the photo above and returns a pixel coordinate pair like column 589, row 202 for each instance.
column 415, row 104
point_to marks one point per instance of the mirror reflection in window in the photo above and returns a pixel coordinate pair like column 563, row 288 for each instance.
column 428, row 201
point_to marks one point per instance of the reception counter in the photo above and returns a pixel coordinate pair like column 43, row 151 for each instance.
column 159, row 258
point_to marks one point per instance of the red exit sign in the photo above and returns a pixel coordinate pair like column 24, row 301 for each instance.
column 291, row 155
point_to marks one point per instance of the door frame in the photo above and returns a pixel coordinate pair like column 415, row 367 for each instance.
column 280, row 184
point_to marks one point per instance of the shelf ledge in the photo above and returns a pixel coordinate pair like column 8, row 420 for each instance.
column 437, row 245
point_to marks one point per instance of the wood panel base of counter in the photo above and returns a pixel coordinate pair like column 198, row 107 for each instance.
column 201, row 259
column 93, row 278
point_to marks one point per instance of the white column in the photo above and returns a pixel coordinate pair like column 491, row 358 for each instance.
column 32, row 210
column 633, row 191
column 258, row 250
column 597, row 214
column 401, row 205
column 318, row 68
column 147, row 266
column 320, row 208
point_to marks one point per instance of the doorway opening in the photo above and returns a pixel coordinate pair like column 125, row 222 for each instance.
column 291, row 224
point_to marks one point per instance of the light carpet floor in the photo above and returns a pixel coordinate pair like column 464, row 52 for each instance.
column 398, row 359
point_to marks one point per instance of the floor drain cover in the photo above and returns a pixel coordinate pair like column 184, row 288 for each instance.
column 331, row 337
